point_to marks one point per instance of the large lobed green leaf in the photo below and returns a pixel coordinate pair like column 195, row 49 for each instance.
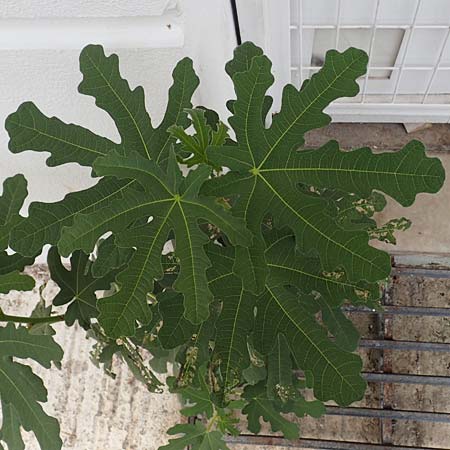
column 266, row 166
column 30, row 129
column 174, row 205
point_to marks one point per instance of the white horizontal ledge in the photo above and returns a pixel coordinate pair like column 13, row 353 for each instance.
column 385, row 112
column 74, row 33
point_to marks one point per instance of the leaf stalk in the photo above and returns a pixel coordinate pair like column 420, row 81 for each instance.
column 30, row 320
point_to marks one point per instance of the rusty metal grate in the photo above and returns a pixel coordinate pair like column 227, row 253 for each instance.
column 384, row 376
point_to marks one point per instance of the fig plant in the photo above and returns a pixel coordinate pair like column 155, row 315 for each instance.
column 227, row 251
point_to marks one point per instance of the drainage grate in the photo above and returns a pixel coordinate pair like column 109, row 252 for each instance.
column 387, row 414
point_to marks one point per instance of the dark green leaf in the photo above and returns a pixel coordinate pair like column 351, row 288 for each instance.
column 196, row 436
column 174, row 204
column 109, row 257
column 46, row 220
column 334, row 373
column 259, row 406
column 264, row 162
column 77, row 287
column 21, row 388
column 10, row 431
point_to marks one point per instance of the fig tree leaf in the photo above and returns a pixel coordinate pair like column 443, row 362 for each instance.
column 11, row 201
column 15, row 281
column 334, row 373
column 205, row 135
column 109, row 257
column 195, row 437
column 401, row 175
column 10, row 431
column 21, row 389
column 46, row 220
column 339, row 325
column 235, row 320
column 174, row 205
column 301, row 407
column 290, row 267
column 77, row 287
column 259, row 406
column 30, row 129
column 265, row 160
column 10, row 263
column 176, row 329
column 279, row 374
column 102, row 80
column 198, row 398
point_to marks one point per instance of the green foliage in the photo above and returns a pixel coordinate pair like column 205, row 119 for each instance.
column 228, row 252
column 22, row 391
column 77, row 286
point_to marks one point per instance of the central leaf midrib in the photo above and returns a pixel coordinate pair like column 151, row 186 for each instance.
column 232, row 337
column 339, row 169
column 191, row 254
column 91, row 150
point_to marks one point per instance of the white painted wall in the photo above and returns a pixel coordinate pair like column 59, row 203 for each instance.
column 39, row 45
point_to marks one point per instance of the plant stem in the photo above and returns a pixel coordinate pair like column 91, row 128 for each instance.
column 31, row 320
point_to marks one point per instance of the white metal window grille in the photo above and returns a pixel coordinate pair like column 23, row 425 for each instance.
column 408, row 43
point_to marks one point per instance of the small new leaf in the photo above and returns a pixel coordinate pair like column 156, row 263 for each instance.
column 205, row 136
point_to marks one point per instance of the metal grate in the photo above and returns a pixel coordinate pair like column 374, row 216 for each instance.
column 386, row 413
column 410, row 91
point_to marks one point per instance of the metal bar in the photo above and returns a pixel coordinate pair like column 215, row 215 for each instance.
column 408, row 41
column 338, row 24
column 387, row 395
column 374, row 413
column 436, row 67
column 405, row 345
column 300, row 39
column 402, row 311
column 370, row 25
column 395, row 378
column 322, row 444
column 412, row 68
column 372, row 42
column 419, row 272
